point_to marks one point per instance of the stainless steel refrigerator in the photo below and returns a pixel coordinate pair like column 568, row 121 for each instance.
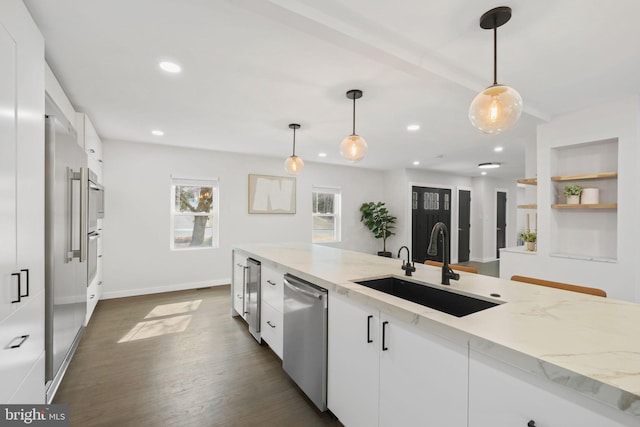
column 66, row 192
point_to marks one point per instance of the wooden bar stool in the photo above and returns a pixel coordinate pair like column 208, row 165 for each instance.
column 453, row 266
column 559, row 285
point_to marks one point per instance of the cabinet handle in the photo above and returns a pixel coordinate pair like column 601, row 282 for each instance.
column 100, row 160
column 23, row 338
column 271, row 283
column 269, row 323
column 531, row 424
column 238, row 296
column 384, row 336
column 26, row 270
column 91, row 150
column 369, row 340
column 100, row 283
column 92, row 296
column 19, row 288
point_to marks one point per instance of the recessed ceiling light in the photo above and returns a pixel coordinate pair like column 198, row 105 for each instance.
column 322, row 154
column 416, row 163
column 489, row 165
column 483, row 173
column 157, row 132
column 498, row 149
column 413, row 128
column 170, row 67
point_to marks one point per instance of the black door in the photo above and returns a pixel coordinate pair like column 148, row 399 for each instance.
column 501, row 226
column 429, row 206
column 464, row 224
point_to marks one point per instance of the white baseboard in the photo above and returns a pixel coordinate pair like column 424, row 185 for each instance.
column 159, row 289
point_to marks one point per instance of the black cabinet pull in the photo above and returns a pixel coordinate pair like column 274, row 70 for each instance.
column 384, row 336
column 271, row 283
column 23, row 338
column 269, row 323
column 19, row 287
column 369, row 340
column 26, row 270
column 531, row 424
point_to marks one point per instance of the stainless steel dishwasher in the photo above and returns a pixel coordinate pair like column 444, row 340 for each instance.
column 305, row 338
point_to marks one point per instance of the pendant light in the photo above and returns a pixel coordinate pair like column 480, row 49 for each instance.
column 498, row 107
column 353, row 147
column 294, row 164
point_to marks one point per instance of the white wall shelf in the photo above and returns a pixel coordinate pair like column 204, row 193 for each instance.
column 585, row 206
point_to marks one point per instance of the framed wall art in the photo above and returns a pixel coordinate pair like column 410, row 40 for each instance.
column 272, row 194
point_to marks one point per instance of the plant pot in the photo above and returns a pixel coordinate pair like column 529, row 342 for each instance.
column 590, row 196
column 531, row 246
column 385, row 254
column 573, row 200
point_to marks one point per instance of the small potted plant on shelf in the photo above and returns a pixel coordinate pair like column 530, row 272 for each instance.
column 377, row 219
column 529, row 238
column 573, row 194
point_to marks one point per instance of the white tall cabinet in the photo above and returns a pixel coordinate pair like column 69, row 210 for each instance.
column 90, row 141
column 22, row 201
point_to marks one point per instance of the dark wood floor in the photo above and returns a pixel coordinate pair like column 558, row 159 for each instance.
column 167, row 360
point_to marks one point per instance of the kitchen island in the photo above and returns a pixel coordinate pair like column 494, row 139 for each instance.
column 540, row 355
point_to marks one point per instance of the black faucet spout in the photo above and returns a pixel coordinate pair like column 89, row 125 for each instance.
column 408, row 267
column 440, row 229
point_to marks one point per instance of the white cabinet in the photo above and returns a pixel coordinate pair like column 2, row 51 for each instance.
column 271, row 307
column 89, row 140
column 238, row 283
column 22, row 201
column 503, row 396
column 385, row 372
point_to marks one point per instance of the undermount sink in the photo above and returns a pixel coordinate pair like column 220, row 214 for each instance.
column 438, row 299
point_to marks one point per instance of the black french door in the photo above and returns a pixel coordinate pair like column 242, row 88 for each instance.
column 428, row 206
column 464, row 224
column 501, row 221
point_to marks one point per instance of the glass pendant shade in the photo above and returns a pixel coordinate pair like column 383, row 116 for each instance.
column 353, row 148
column 495, row 109
column 293, row 165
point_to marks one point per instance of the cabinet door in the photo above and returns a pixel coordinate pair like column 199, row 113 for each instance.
column 30, row 158
column 238, row 288
column 353, row 362
column 8, row 283
column 271, row 323
column 503, row 396
column 423, row 378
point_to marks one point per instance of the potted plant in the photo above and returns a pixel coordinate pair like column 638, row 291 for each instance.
column 376, row 218
column 573, row 194
column 529, row 238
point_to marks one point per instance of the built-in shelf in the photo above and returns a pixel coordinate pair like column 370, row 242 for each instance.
column 531, row 206
column 603, row 175
column 528, row 181
column 583, row 257
column 585, row 206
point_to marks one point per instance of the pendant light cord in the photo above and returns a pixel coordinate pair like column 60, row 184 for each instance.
column 354, row 115
column 294, row 142
column 495, row 53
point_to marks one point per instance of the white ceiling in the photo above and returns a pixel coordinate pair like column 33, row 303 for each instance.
column 251, row 67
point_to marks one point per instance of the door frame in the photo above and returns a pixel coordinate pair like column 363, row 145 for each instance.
column 495, row 219
column 471, row 231
column 453, row 247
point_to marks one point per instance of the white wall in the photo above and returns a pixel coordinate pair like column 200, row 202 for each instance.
column 137, row 257
column 620, row 279
column 483, row 220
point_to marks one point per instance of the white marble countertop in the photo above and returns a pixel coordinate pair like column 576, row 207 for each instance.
column 588, row 343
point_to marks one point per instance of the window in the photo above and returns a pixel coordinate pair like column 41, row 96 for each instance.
column 194, row 213
column 326, row 215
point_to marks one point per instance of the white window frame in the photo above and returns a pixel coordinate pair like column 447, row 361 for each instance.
column 337, row 204
column 215, row 211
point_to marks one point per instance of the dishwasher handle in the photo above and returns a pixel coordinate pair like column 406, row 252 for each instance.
column 304, row 290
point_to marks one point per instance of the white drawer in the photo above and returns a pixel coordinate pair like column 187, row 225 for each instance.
column 31, row 391
column 271, row 328
column 272, row 287
column 25, row 327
